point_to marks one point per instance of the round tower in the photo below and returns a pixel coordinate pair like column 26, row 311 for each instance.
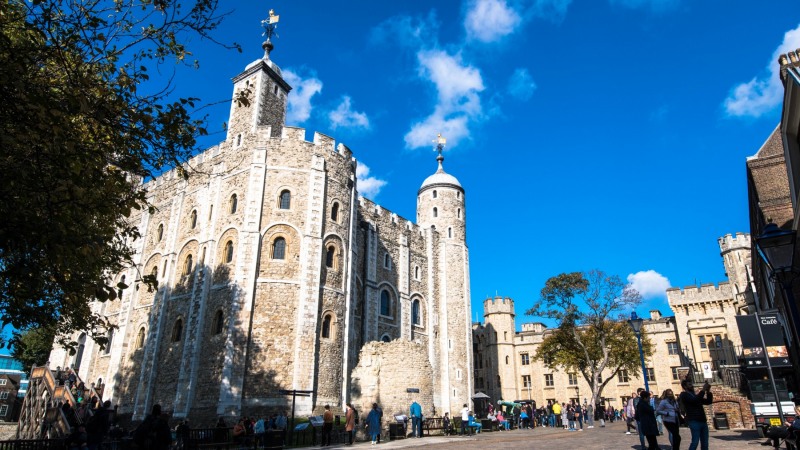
column 441, row 211
column 498, row 314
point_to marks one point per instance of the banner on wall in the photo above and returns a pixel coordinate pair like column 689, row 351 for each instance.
column 774, row 348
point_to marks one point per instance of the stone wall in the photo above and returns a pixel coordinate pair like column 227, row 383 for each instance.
column 384, row 373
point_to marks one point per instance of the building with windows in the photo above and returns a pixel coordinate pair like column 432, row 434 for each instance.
column 9, row 397
column 275, row 274
column 702, row 329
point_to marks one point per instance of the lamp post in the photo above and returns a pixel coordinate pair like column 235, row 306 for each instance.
column 777, row 248
column 636, row 323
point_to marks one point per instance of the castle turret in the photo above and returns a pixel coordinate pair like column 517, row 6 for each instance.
column 736, row 256
column 440, row 204
column 499, row 314
column 259, row 97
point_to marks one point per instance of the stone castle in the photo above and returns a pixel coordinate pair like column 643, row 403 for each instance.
column 701, row 329
column 274, row 274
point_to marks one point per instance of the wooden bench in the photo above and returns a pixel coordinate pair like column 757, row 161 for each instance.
column 436, row 423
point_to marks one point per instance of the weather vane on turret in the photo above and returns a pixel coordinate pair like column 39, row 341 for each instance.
column 270, row 24
column 440, row 143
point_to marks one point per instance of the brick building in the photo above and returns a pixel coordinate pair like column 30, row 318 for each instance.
column 9, row 403
column 274, row 274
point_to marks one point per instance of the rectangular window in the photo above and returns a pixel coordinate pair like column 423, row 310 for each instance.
column 622, row 376
column 526, row 381
column 651, row 375
column 672, row 348
column 525, row 359
column 548, row 380
column 718, row 340
column 703, row 342
column 675, row 375
column 3, row 381
column 573, row 379
column 3, row 410
column 3, row 395
column 458, row 374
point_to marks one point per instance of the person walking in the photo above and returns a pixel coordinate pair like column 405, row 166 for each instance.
column 374, row 423
column 646, row 420
column 350, row 423
column 416, row 419
column 669, row 412
column 464, row 419
column 630, row 411
column 327, row 426
column 693, row 403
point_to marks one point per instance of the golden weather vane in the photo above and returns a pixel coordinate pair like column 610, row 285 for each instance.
column 270, row 24
column 440, row 142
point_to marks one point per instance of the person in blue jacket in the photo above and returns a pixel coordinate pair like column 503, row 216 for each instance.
column 374, row 423
column 416, row 420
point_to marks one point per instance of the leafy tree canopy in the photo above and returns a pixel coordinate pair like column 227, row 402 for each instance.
column 592, row 337
column 33, row 347
column 77, row 133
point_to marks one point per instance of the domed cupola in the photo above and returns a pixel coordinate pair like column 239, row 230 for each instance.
column 440, row 201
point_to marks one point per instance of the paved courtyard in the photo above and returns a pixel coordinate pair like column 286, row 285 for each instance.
column 612, row 437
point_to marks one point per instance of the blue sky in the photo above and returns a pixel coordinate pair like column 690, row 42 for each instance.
column 607, row 134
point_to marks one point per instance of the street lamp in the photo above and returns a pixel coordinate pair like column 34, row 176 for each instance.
column 636, row 323
column 777, row 248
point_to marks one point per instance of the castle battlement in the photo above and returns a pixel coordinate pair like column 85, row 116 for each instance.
column 535, row 327
column 498, row 305
column 370, row 207
column 323, row 142
column 705, row 293
column 730, row 242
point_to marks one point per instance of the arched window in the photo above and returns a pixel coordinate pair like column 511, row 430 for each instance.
column 140, row 338
column 459, row 213
column 193, row 219
column 229, row 252
column 335, row 212
column 415, row 312
column 234, row 203
column 327, row 323
column 386, row 338
column 219, row 321
column 386, row 303
column 187, row 266
column 107, row 349
column 160, row 233
column 506, row 359
column 154, row 272
column 449, row 232
column 435, row 212
column 330, row 257
column 285, row 200
column 434, row 193
column 279, row 248
column 177, row 331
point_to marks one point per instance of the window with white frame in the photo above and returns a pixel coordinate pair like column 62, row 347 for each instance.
column 3, row 410
column 548, row 380
column 3, row 381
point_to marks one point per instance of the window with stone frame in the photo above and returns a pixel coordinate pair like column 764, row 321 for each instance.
column 335, row 212
column 415, row 313
column 234, row 204
column 327, row 326
column 416, row 272
column 219, row 322
column 3, row 381
column 140, row 338
column 177, row 331
column 387, row 261
column 3, row 410
column 573, row 379
column 386, row 338
column 622, row 376
column 386, row 303
column 330, row 257
column 193, row 219
column 651, row 375
column 229, row 252
column 160, row 232
column 3, row 395
column 702, row 340
column 187, row 266
column 285, row 199
column 672, row 348
column 675, row 374
column 435, row 212
column 110, row 337
column 526, row 381
column 526, row 360
column 279, row 248
column 548, row 380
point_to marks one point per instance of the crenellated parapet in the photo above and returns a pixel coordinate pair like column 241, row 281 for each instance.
column 729, row 242
column 706, row 293
column 498, row 305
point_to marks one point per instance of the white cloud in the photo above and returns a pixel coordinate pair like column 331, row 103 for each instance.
column 458, row 102
column 761, row 95
column 521, row 84
column 490, row 20
column 367, row 186
column 344, row 116
column 303, row 89
column 649, row 283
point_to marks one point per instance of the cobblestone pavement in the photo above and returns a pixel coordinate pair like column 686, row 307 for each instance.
column 612, row 437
